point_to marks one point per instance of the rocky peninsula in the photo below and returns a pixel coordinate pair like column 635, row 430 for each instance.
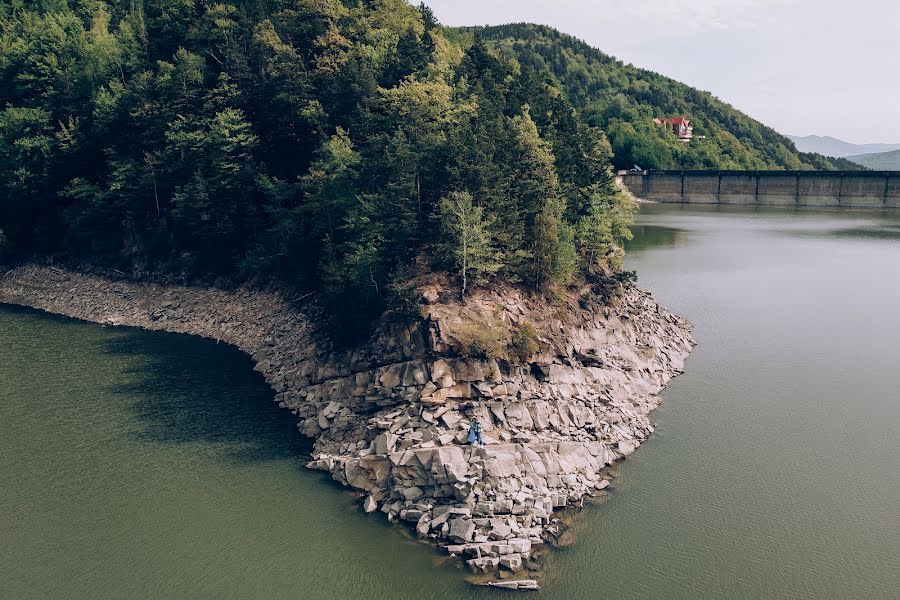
column 390, row 418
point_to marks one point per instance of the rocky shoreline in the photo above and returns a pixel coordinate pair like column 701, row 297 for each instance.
column 390, row 418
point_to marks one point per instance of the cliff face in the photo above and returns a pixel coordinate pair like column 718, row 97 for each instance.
column 391, row 418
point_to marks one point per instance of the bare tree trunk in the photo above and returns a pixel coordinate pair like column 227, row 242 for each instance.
column 155, row 193
column 465, row 264
column 418, row 193
column 151, row 164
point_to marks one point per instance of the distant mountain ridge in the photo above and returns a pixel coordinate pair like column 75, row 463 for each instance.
column 831, row 146
column 878, row 161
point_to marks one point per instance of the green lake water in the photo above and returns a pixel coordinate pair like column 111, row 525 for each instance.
column 150, row 465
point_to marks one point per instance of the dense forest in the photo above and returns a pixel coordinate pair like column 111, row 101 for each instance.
column 325, row 144
column 623, row 101
column 333, row 146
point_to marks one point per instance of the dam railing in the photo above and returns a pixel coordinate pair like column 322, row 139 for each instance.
column 851, row 189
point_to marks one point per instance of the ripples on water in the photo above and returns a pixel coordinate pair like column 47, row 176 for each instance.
column 146, row 465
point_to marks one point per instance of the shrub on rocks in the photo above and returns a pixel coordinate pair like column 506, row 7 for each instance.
column 524, row 343
column 483, row 341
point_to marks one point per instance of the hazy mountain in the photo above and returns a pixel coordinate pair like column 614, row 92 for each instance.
column 830, row 146
column 878, row 161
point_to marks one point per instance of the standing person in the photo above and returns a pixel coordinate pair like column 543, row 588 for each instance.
column 475, row 433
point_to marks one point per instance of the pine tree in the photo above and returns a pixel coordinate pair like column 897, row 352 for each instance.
column 214, row 138
column 331, row 185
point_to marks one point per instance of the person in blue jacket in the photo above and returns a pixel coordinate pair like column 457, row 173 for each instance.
column 475, row 433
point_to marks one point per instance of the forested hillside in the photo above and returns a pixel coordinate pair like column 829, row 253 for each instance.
column 323, row 143
column 879, row 161
column 623, row 100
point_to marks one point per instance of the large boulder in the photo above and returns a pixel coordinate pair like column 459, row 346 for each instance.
column 449, row 464
column 462, row 530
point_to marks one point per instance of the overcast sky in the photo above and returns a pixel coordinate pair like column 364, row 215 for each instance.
column 828, row 67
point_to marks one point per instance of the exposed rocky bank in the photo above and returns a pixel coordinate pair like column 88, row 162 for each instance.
column 390, row 418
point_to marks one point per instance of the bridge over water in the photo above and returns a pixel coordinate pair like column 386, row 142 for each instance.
column 850, row 189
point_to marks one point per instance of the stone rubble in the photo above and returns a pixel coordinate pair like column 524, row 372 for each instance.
column 390, row 418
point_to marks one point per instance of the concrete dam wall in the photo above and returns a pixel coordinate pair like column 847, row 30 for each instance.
column 849, row 189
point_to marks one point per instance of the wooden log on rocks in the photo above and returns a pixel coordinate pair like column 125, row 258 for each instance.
column 518, row 584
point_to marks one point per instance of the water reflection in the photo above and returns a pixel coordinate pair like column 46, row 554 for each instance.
column 187, row 390
column 883, row 232
column 871, row 229
column 652, row 236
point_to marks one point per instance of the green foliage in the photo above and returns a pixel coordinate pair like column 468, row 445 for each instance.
column 466, row 243
column 331, row 183
column 403, row 299
column 535, row 181
column 603, row 230
column 27, row 146
column 604, row 285
column 623, row 100
column 524, row 342
column 321, row 142
column 554, row 256
column 483, row 341
column 492, row 339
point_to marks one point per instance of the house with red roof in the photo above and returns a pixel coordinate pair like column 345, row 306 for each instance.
column 680, row 126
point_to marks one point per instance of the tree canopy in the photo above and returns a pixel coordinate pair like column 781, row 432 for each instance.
column 623, row 100
column 326, row 144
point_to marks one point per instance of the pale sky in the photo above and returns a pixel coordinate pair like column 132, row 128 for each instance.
column 826, row 67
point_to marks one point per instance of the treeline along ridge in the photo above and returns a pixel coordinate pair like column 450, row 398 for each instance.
column 325, row 144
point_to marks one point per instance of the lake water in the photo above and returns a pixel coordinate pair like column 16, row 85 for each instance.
column 149, row 465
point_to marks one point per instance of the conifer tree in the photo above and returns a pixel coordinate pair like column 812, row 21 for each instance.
column 322, row 142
